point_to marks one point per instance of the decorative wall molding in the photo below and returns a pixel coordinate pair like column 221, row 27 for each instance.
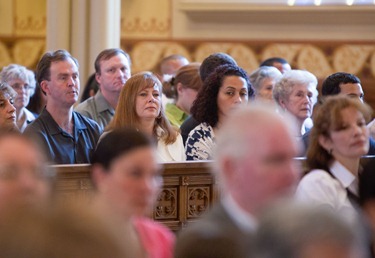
column 321, row 59
column 246, row 11
column 32, row 26
column 26, row 51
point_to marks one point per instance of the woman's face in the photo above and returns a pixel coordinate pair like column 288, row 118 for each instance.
column 148, row 103
column 186, row 97
column 300, row 101
column 351, row 139
column 133, row 182
column 23, row 93
column 265, row 90
column 232, row 93
column 7, row 112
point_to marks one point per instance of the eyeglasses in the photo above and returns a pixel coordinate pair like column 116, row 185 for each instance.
column 19, row 87
column 12, row 172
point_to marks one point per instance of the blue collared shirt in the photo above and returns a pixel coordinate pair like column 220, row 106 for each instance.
column 62, row 147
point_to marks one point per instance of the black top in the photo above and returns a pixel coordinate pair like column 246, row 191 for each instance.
column 188, row 125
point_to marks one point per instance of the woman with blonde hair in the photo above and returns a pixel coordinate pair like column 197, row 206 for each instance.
column 183, row 88
column 140, row 107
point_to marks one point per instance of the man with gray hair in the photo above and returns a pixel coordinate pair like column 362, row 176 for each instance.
column 255, row 167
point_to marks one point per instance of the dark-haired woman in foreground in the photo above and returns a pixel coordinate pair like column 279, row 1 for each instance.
column 128, row 180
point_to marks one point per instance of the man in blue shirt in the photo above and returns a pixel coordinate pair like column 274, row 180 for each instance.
column 67, row 136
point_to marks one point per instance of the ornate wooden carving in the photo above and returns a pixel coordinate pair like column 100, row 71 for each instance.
column 166, row 206
column 198, row 202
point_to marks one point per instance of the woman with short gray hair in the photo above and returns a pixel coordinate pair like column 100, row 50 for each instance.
column 296, row 94
column 263, row 80
column 23, row 82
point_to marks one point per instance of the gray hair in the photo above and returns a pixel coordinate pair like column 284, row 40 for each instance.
column 287, row 228
column 6, row 91
column 231, row 139
column 284, row 87
column 15, row 71
column 259, row 75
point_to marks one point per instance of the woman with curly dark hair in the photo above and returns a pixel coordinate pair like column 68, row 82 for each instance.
column 224, row 89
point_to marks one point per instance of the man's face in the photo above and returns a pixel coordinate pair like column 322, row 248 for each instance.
column 268, row 171
column 353, row 90
column 171, row 67
column 22, row 173
column 114, row 72
column 63, row 87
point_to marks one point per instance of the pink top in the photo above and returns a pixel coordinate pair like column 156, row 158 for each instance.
column 157, row 240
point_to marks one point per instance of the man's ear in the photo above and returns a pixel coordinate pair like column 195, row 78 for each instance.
column 325, row 142
column 98, row 78
column 45, row 87
column 282, row 104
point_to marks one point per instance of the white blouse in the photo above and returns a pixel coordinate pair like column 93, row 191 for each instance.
column 321, row 189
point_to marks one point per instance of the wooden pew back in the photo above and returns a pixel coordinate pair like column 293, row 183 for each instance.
column 189, row 189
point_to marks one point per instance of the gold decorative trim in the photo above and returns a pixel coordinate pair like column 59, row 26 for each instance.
column 153, row 25
column 30, row 24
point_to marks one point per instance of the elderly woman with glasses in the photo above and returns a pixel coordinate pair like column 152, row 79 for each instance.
column 22, row 81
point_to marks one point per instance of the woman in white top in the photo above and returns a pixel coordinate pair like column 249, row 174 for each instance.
column 338, row 139
column 140, row 107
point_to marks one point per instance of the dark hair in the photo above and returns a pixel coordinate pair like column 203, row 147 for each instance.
column 91, row 84
column 116, row 143
column 107, row 54
column 37, row 102
column 43, row 71
column 367, row 183
column 212, row 62
column 272, row 60
column 331, row 85
column 205, row 107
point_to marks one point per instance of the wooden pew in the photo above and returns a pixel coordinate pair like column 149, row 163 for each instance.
column 189, row 189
